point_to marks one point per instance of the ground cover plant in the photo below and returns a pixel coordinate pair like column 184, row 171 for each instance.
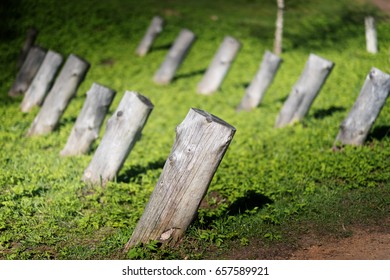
column 273, row 185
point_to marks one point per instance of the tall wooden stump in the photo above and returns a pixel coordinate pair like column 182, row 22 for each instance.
column 371, row 37
column 42, row 81
column 175, row 57
column 155, row 28
column 63, row 90
column 201, row 142
column 31, row 36
column 219, row 66
column 88, row 123
column 123, row 130
column 356, row 126
column 305, row 90
column 255, row 92
column 28, row 70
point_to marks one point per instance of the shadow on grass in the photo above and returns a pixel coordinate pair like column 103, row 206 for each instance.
column 189, row 75
column 379, row 133
column 160, row 48
column 323, row 113
column 139, row 169
column 250, row 201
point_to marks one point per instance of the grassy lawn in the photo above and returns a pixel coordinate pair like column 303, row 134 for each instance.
column 273, row 185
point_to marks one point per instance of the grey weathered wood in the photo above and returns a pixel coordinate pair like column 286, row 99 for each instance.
column 265, row 75
column 279, row 28
column 155, row 28
column 31, row 36
column 201, row 142
column 219, row 66
column 304, row 92
column 28, row 70
column 175, row 57
column 42, row 81
column 356, row 126
column 122, row 132
column 63, row 90
column 87, row 126
column 371, row 36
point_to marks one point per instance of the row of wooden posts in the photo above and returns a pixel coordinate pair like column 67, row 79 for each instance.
column 202, row 138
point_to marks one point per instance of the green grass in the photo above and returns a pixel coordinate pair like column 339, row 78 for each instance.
column 270, row 183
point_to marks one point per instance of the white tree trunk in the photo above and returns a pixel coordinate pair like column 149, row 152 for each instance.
column 155, row 28
column 31, row 36
column 122, row 132
column 219, row 66
column 63, row 90
column 304, row 92
column 175, row 57
column 279, row 28
column 371, row 37
column 28, row 70
column 88, row 123
column 265, row 75
column 201, row 142
column 42, row 81
column 356, row 126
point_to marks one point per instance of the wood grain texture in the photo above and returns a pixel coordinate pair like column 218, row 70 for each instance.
column 355, row 127
column 201, row 142
column 88, row 123
column 123, row 130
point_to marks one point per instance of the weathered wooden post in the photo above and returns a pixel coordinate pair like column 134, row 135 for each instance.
column 371, row 37
column 88, row 123
column 219, row 66
column 356, row 126
column 304, row 92
column 265, row 75
column 201, row 142
column 63, row 90
column 31, row 36
column 175, row 57
column 155, row 28
column 122, row 132
column 42, row 81
column 279, row 28
column 28, row 70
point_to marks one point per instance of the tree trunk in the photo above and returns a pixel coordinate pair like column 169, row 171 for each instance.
column 31, row 36
column 153, row 31
column 305, row 90
column 88, row 123
column 123, row 130
column 255, row 92
column 279, row 28
column 371, row 37
column 42, row 81
column 356, row 126
column 28, row 70
column 63, row 90
column 201, row 142
column 175, row 57
column 219, row 66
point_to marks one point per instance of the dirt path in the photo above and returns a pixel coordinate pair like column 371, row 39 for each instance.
column 384, row 5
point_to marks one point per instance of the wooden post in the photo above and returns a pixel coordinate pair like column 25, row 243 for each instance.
column 31, row 36
column 201, row 142
column 28, row 70
column 63, row 90
column 155, row 28
column 123, row 130
column 42, row 81
column 255, row 92
column 88, row 123
column 219, row 66
column 356, row 126
column 371, row 37
column 304, row 92
column 175, row 57
column 279, row 28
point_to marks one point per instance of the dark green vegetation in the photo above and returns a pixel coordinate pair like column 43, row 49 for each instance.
column 271, row 184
